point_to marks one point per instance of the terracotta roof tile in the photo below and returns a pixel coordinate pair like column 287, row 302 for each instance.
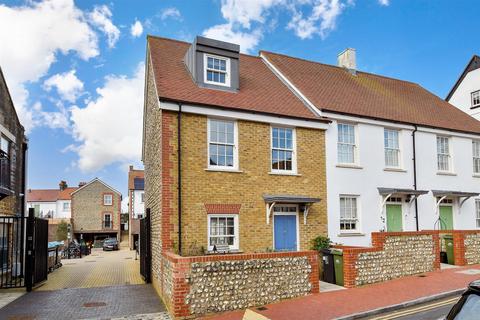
column 66, row 194
column 334, row 89
column 48, row 195
column 260, row 90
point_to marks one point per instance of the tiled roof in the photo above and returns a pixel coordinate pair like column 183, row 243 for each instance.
column 42, row 195
column 260, row 90
column 335, row 89
column 132, row 175
column 49, row 195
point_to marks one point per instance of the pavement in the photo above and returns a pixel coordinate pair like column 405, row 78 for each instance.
column 365, row 301
column 99, row 269
column 103, row 285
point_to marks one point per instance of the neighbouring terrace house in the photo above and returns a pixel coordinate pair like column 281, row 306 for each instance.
column 96, row 209
column 234, row 163
column 51, row 203
column 136, row 204
column 398, row 157
column 13, row 154
column 465, row 93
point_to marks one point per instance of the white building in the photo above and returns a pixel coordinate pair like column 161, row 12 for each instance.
column 136, row 203
column 465, row 94
column 51, row 203
column 398, row 157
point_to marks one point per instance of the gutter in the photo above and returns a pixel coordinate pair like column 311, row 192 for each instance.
column 179, row 175
column 415, row 173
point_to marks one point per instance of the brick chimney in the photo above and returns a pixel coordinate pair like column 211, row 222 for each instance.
column 131, row 168
column 81, row 184
column 63, row 185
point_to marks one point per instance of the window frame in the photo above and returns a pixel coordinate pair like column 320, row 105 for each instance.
column 236, row 237
column 294, row 151
column 472, row 99
column 110, row 214
column 235, row 146
column 289, row 213
column 227, row 71
column 477, row 213
column 111, row 197
column 355, row 145
column 357, row 206
column 142, row 197
column 449, row 154
column 476, row 158
column 66, row 209
column 399, row 149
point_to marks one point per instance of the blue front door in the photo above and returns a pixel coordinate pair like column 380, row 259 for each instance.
column 285, row 228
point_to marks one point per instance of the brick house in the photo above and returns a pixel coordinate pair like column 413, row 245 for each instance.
column 136, row 204
column 96, row 209
column 229, row 163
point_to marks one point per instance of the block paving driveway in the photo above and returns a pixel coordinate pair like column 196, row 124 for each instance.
column 103, row 285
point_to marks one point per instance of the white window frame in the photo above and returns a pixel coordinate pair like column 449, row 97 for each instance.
column 448, row 155
column 476, row 156
column 398, row 150
column 142, row 197
column 236, row 238
column 227, row 71
column 235, row 146
column 67, row 207
column 477, row 213
column 286, row 214
column 357, row 225
column 475, row 95
column 294, row 151
column 105, row 203
column 355, row 145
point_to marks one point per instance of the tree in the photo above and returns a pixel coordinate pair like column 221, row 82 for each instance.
column 62, row 231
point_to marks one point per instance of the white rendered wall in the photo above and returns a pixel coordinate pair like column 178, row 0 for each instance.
column 462, row 99
column 138, row 206
column 45, row 207
column 364, row 181
column 61, row 213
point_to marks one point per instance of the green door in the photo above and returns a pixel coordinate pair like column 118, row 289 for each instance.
column 394, row 218
column 446, row 216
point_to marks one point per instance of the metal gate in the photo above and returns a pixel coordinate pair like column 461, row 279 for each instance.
column 145, row 248
column 12, row 251
column 40, row 251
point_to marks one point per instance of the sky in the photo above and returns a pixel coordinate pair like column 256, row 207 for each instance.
column 75, row 69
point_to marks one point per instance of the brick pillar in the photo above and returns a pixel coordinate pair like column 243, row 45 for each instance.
column 436, row 248
column 180, row 288
column 349, row 271
column 459, row 248
column 314, row 274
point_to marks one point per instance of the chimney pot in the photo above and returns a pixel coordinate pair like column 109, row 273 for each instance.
column 347, row 59
column 81, row 184
column 131, row 168
column 63, row 185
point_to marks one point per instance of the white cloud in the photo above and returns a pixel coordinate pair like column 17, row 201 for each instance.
column 136, row 29
column 172, row 13
column 101, row 17
column 226, row 32
column 68, row 86
column 384, row 2
column 51, row 119
column 322, row 19
column 109, row 129
column 245, row 11
column 36, row 33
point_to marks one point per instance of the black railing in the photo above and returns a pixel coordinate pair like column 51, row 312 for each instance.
column 107, row 224
column 12, row 252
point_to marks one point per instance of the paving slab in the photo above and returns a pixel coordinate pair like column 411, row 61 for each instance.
column 114, row 302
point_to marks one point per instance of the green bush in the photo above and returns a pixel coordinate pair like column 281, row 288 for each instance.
column 320, row 243
column 62, row 231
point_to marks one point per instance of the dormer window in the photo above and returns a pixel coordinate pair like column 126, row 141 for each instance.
column 476, row 99
column 217, row 70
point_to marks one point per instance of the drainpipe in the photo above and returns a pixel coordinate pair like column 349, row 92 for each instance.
column 179, row 157
column 415, row 174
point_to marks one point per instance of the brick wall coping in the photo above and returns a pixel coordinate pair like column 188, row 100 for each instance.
column 175, row 258
column 471, row 231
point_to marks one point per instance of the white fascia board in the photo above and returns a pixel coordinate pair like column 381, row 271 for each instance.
column 449, row 133
column 290, row 85
column 231, row 114
column 356, row 119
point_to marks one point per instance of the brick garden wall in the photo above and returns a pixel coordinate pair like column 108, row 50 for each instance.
column 466, row 246
column 393, row 255
column 195, row 286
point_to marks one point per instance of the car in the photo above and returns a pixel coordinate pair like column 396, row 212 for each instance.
column 468, row 307
column 110, row 244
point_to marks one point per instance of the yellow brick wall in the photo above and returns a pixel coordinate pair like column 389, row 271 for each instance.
column 246, row 188
column 7, row 206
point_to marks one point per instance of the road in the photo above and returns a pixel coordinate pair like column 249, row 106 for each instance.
column 428, row 311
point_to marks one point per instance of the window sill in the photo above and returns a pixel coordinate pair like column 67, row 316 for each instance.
column 233, row 251
column 223, row 170
column 284, row 173
column 394, row 170
column 476, row 175
column 351, row 234
column 445, row 173
column 348, row 166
